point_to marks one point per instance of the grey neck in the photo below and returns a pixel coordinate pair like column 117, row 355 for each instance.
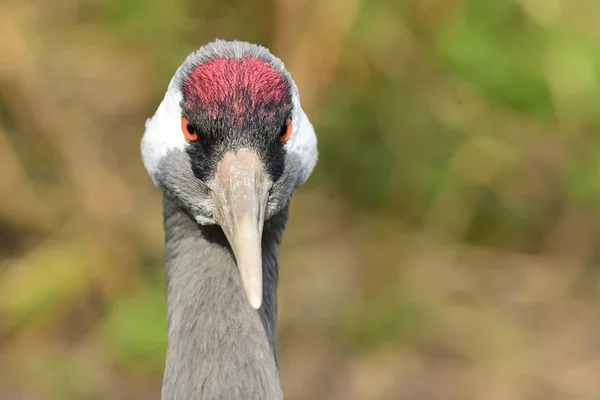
column 218, row 346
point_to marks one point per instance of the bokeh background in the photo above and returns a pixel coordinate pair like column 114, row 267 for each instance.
column 446, row 247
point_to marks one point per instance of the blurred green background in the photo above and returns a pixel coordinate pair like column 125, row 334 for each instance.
column 446, row 246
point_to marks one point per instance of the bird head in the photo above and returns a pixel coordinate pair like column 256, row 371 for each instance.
column 230, row 144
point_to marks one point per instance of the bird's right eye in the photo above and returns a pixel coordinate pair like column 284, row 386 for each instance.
column 188, row 130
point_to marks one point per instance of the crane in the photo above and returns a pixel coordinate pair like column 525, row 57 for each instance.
column 228, row 146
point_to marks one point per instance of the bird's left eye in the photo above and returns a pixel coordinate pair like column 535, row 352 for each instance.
column 188, row 130
column 286, row 132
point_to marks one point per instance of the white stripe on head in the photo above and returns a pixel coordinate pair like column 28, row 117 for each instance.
column 303, row 141
column 163, row 130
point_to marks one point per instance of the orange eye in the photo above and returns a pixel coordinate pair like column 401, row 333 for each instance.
column 188, row 130
column 285, row 135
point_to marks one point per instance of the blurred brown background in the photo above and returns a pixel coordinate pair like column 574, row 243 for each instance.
column 446, row 247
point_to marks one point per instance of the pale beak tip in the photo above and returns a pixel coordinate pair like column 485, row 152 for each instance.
column 255, row 301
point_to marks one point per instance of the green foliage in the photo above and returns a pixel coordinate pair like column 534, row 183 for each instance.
column 498, row 49
column 355, row 151
column 38, row 286
column 583, row 178
column 401, row 319
column 145, row 20
column 136, row 329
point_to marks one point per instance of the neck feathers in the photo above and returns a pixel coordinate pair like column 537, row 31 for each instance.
column 219, row 347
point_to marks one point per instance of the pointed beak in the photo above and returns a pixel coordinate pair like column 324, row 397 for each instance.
column 240, row 192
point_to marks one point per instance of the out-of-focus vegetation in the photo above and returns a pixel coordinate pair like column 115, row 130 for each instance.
column 445, row 248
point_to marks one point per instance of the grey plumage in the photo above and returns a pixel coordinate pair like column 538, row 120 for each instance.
column 219, row 347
